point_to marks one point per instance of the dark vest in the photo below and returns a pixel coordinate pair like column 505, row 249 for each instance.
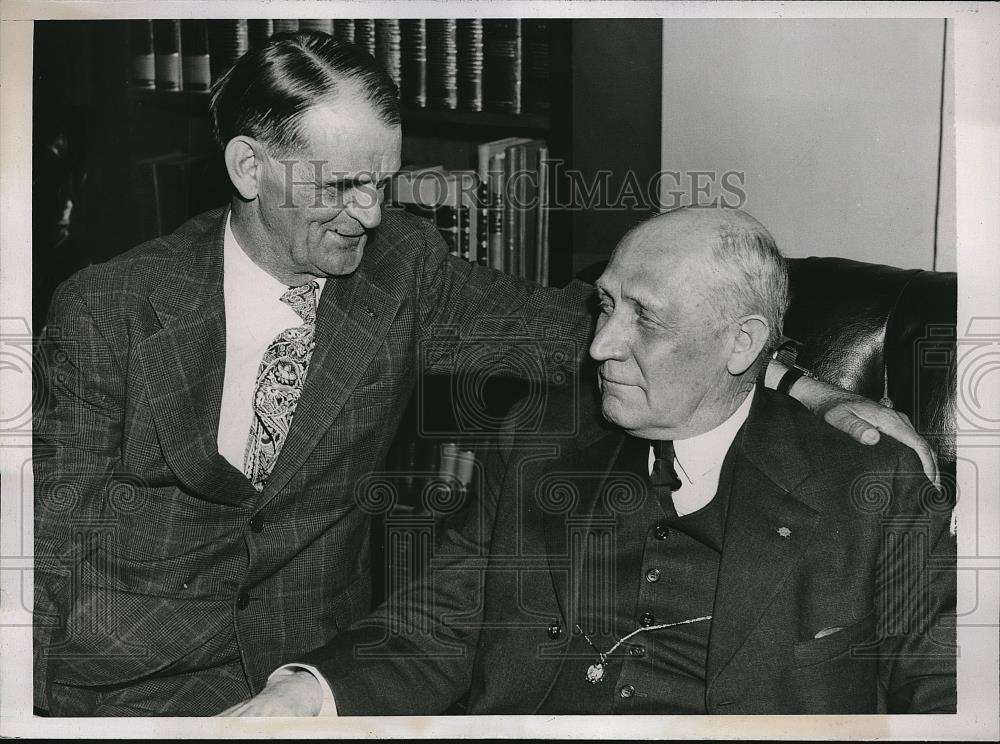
column 666, row 570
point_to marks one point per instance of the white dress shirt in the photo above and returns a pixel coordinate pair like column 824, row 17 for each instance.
column 255, row 315
column 699, row 460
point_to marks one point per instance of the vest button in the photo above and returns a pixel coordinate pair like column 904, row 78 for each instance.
column 646, row 619
column 661, row 531
column 653, row 575
column 257, row 523
column 242, row 601
column 554, row 630
column 627, row 691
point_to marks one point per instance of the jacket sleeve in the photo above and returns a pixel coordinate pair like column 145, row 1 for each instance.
column 916, row 592
column 78, row 419
column 471, row 316
column 414, row 655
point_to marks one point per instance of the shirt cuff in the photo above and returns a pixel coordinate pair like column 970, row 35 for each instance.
column 328, row 709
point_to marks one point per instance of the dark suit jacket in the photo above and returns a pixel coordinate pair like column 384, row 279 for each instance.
column 147, row 561
column 868, row 549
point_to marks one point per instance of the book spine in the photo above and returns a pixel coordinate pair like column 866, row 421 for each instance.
column 413, row 43
column 343, row 29
column 196, row 70
column 502, row 65
column 259, row 30
column 442, row 64
column 542, row 235
column 483, row 224
column 387, row 48
column 143, row 60
column 469, row 44
column 447, row 224
column 167, row 47
column 364, row 34
column 465, row 247
column 496, row 246
column 284, row 25
column 227, row 41
column 323, row 25
column 535, row 90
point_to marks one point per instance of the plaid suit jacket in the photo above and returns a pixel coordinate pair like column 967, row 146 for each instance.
column 868, row 550
column 154, row 556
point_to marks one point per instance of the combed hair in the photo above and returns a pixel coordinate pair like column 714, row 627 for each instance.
column 266, row 92
column 758, row 276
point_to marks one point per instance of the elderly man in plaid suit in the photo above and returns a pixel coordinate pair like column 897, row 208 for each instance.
column 212, row 397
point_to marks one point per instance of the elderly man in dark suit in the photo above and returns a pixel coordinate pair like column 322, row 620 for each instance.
column 191, row 534
column 715, row 549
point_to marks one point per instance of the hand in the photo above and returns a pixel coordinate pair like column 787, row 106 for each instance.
column 293, row 694
column 863, row 419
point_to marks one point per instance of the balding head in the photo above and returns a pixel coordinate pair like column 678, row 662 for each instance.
column 724, row 255
column 691, row 301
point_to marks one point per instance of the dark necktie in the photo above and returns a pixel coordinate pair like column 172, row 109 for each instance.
column 663, row 480
column 280, row 379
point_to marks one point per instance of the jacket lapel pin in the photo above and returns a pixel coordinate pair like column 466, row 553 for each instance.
column 784, row 533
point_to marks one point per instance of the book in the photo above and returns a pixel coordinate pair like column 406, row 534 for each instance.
column 442, row 64
column 535, row 70
column 228, row 40
column 413, row 44
column 469, row 54
column 259, row 30
column 419, row 189
column 388, row 51
column 167, row 49
column 343, row 29
column 323, row 25
column 282, row 25
column 496, row 257
column 142, row 73
column 482, row 224
column 461, row 196
column 364, row 34
column 502, row 65
column 525, row 199
column 195, row 69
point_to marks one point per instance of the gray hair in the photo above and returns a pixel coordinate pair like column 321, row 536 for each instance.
column 754, row 275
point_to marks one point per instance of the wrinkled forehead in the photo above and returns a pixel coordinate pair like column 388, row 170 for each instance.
column 348, row 138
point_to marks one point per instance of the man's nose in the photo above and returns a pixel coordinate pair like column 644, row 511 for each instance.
column 366, row 206
column 608, row 342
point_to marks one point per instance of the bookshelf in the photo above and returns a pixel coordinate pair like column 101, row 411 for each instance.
column 603, row 114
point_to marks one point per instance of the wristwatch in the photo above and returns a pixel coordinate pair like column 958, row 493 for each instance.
column 787, row 352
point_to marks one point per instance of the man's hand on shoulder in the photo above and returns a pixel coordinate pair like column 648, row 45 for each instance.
column 293, row 694
column 864, row 419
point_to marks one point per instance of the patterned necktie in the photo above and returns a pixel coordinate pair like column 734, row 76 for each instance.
column 280, row 379
column 663, row 479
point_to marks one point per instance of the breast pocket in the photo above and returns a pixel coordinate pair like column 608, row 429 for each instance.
column 838, row 643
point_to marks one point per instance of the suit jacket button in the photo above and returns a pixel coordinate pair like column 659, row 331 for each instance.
column 554, row 630
column 242, row 601
column 646, row 619
column 661, row 531
column 637, row 651
column 257, row 523
column 627, row 691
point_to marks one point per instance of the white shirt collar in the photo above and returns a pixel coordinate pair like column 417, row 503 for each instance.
column 242, row 272
column 702, row 454
column 699, row 460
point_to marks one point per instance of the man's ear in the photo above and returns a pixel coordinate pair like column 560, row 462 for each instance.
column 748, row 342
column 244, row 163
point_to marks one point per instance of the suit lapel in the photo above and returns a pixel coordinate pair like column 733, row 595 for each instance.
column 767, row 530
column 184, row 366
column 353, row 317
column 565, row 531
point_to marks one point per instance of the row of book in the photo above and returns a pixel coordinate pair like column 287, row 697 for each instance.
column 494, row 216
column 469, row 64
